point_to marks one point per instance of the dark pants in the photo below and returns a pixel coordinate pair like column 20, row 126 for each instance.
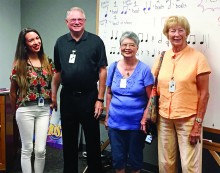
column 79, row 109
column 127, row 147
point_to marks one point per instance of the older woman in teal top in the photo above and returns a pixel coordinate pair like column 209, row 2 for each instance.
column 129, row 85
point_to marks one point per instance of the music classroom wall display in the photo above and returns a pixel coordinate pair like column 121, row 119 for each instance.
column 146, row 18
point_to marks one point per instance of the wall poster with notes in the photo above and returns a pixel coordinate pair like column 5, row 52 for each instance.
column 146, row 19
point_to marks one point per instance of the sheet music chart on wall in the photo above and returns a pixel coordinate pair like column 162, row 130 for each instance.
column 146, row 19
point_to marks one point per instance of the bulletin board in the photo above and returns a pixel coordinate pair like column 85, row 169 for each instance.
column 146, row 18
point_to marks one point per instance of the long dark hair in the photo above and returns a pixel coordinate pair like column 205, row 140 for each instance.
column 21, row 51
column 21, row 58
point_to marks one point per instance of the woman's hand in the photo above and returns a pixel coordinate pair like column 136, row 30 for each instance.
column 143, row 124
column 195, row 135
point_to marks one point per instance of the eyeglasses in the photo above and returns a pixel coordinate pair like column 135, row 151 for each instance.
column 80, row 20
column 129, row 45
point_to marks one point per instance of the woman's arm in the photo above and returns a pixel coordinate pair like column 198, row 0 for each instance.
column 203, row 92
column 56, row 80
column 13, row 94
column 144, row 118
column 108, row 100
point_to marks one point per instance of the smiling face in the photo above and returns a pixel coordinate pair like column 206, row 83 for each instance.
column 33, row 42
column 177, row 29
column 128, row 48
column 177, row 36
column 75, row 21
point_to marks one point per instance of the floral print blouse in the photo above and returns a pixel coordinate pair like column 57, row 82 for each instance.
column 39, row 83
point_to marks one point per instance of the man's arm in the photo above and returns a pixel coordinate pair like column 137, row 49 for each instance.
column 102, row 80
column 102, row 87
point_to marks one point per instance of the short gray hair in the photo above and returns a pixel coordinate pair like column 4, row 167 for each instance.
column 131, row 35
column 75, row 9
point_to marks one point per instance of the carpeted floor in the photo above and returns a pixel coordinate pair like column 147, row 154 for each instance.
column 54, row 162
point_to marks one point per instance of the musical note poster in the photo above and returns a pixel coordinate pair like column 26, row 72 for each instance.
column 146, row 18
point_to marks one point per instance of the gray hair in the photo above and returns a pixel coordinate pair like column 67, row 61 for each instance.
column 75, row 9
column 131, row 35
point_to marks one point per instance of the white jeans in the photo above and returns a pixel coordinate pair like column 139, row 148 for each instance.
column 33, row 124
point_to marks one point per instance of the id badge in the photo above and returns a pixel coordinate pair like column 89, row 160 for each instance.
column 40, row 101
column 149, row 138
column 72, row 58
column 172, row 86
column 123, row 83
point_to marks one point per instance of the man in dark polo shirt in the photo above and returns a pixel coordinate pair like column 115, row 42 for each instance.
column 80, row 61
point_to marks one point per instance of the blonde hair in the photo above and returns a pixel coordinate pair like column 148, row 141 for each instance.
column 174, row 21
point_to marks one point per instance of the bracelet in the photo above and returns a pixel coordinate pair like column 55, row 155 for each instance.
column 100, row 100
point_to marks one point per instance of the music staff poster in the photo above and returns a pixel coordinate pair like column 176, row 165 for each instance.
column 146, row 18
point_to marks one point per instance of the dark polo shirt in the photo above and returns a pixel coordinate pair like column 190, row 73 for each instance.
column 90, row 56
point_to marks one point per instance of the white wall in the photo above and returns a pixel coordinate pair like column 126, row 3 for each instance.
column 147, row 18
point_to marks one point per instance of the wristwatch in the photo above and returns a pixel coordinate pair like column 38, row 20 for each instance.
column 199, row 120
column 100, row 100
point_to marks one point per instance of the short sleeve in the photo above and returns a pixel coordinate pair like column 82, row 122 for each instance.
column 110, row 74
column 203, row 66
column 148, row 79
column 52, row 66
column 13, row 74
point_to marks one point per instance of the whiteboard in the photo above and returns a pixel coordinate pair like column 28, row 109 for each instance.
column 146, row 18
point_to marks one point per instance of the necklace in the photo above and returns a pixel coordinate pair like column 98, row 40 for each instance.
column 129, row 69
